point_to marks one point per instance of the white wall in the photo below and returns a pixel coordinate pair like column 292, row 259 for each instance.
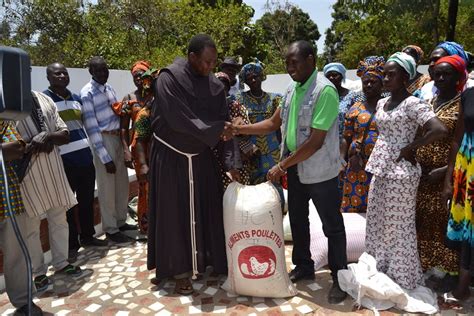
column 121, row 80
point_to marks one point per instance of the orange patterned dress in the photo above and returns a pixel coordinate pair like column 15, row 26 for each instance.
column 363, row 137
column 135, row 110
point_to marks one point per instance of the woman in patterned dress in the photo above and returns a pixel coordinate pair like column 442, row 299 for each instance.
column 336, row 73
column 128, row 111
column 414, row 85
column 459, row 195
column 390, row 230
column 260, row 105
column 143, row 133
column 449, row 77
column 360, row 135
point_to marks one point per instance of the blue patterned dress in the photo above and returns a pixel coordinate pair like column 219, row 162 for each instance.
column 260, row 109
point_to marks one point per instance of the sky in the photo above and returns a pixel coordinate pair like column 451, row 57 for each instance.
column 319, row 11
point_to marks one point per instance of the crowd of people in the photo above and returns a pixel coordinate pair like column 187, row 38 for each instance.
column 399, row 150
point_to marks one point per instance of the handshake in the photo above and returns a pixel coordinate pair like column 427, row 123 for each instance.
column 232, row 129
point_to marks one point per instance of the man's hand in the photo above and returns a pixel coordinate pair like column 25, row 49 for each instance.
column 128, row 159
column 13, row 151
column 143, row 174
column 236, row 122
column 408, row 154
column 41, row 143
column 110, row 167
column 227, row 132
column 275, row 174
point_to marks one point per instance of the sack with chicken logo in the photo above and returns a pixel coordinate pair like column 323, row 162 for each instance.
column 254, row 242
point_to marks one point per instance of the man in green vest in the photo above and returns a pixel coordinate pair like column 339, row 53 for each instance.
column 310, row 155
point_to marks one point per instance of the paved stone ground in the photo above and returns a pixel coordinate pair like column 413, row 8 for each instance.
column 116, row 282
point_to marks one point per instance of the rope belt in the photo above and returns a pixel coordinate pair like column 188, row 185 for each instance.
column 191, row 203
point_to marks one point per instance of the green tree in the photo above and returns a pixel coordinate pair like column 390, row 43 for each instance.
column 5, row 31
column 282, row 24
column 381, row 27
column 214, row 3
column 123, row 31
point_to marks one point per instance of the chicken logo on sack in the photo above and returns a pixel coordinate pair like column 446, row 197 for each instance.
column 257, row 262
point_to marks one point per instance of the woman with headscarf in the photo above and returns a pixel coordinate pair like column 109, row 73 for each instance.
column 240, row 171
column 143, row 132
column 390, row 230
column 458, row 196
column 360, row 135
column 449, row 75
column 336, row 73
column 128, row 110
column 429, row 90
column 260, row 105
column 415, row 85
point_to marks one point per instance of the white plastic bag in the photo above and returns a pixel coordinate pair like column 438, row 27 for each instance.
column 254, row 242
column 376, row 291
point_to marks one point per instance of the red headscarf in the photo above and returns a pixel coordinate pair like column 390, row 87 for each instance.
column 459, row 65
column 140, row 65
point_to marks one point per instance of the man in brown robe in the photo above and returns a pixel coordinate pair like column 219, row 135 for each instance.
column 188, row 119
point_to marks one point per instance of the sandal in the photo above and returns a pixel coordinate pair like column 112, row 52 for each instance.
column 42, row 283
column 448, row 301
column 184, row 287
column 449, row 298
column 71, row 270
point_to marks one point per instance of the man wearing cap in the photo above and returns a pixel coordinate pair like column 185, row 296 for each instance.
column 231, row 67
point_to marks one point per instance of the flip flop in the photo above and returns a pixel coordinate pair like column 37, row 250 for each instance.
column 183, row 287
column 448, row 301
column 449, row 298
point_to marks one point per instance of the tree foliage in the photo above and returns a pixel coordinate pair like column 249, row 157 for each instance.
column 123, row 31
column 381, row 27
column 282, row 24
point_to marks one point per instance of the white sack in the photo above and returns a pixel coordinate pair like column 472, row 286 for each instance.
column 254, row 242
column 287, row 228
column 354, row 224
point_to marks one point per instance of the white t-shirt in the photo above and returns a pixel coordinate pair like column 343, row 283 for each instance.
column 429, row 90
column 234, row 90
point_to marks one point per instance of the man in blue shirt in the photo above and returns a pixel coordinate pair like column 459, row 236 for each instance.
column 103, row 128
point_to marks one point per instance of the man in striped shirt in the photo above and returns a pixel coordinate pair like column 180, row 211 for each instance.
column 45, row 189
column 77, row 160
column 103, row 129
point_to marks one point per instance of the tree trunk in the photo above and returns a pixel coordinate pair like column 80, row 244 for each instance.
column 435, row 17
column 452, row 15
